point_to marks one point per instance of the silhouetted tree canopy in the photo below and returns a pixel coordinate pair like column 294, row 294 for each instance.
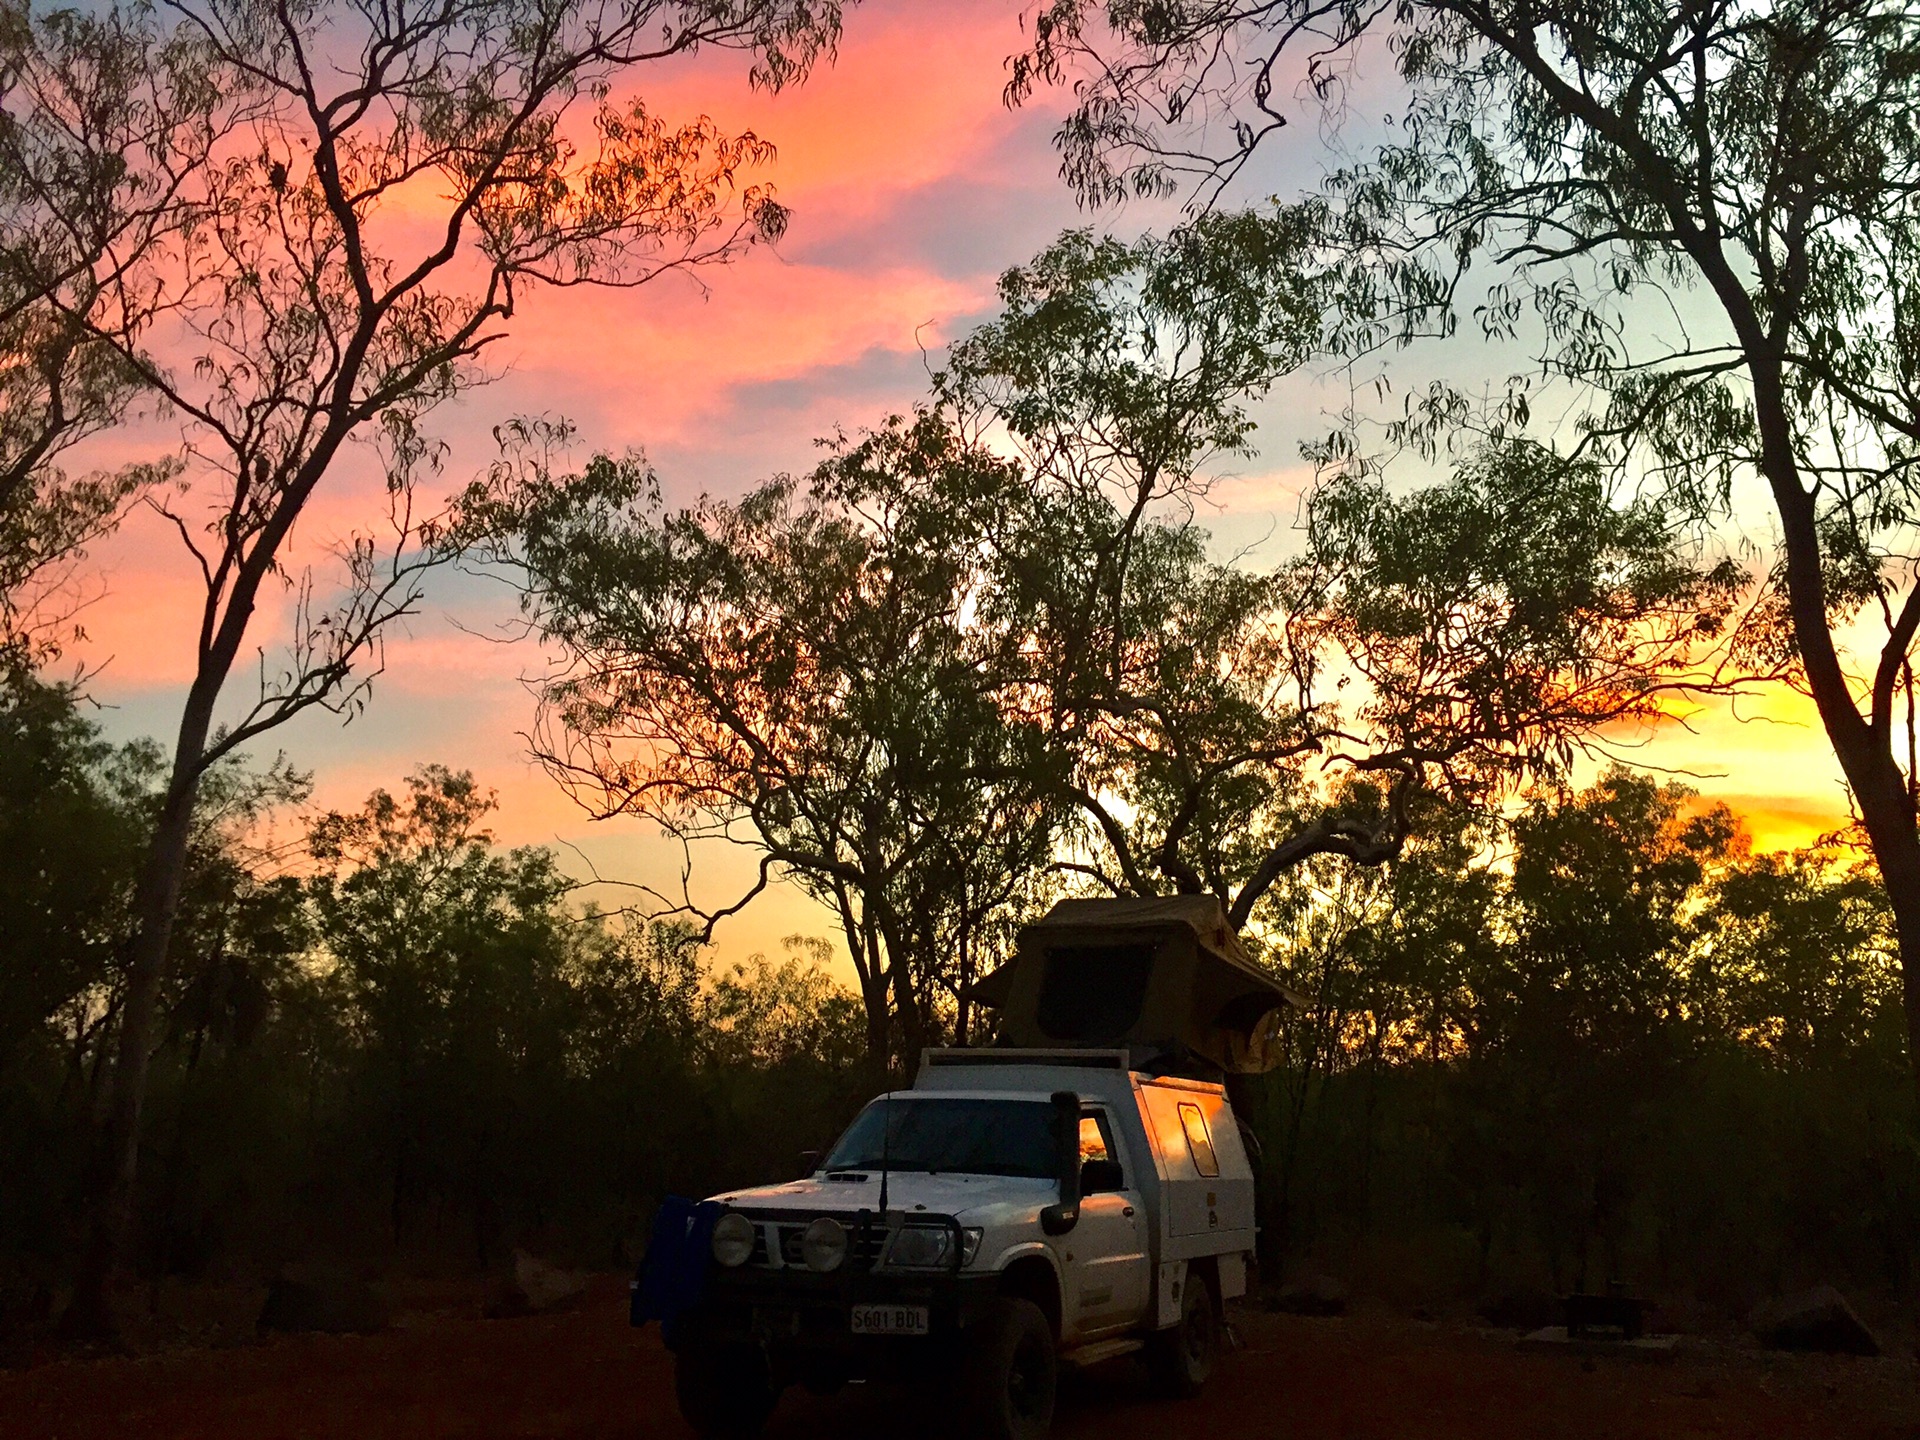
column 1696, row 223
column 1594, row 1036
column 233, row 167
column 995, row 628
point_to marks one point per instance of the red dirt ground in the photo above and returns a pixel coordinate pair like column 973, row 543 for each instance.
column 586, row 1374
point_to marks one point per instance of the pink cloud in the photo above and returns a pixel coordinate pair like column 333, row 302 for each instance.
column 664, row 365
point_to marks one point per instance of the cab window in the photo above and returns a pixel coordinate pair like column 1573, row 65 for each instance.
column 1096, row 1140
column 1199, row 1141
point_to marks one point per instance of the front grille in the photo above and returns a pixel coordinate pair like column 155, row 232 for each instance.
column 863, row 1247
column 790, row 1238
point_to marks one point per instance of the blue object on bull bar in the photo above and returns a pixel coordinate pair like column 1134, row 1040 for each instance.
column 673, row 1273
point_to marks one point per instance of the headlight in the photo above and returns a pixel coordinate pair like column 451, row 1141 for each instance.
column 920, row 1247
column 733, row 1239
column 824, row 1245
column 969, row 1244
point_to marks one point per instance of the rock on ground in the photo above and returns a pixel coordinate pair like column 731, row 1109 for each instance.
column 534, row 1288
column 1314, row 1295
column 323, row 1303
column 1818, row 1320
column 1522, row 1310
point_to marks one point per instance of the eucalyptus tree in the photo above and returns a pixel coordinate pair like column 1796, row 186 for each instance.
column 1803, row 963
column 988, row 649
column 409, row 175
column 1701, row 214
column 450, row 961
column 896, row 678
column 1208, row 716
column 794, row 670
column 1118, row 377
column 104, row 122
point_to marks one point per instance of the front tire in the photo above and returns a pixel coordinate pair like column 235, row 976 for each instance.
column 1182, row 1358
column 725, row 1391
column 1009, row 1373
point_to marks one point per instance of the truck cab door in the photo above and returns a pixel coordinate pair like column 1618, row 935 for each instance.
column 1107, row 1265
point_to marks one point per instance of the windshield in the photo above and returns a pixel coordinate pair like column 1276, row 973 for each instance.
column 970, row 1137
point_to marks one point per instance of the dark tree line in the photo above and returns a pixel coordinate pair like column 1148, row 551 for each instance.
column 1599, row 1038
column 383, row 1039
column 1602, row 1040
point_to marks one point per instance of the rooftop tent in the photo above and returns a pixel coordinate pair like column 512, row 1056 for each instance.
column 1166, row 978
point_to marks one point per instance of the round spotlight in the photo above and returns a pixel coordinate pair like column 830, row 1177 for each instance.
column 733, row 1239
column 824, row 1246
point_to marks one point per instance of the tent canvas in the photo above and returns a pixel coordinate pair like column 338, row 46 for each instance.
column 1166, row 977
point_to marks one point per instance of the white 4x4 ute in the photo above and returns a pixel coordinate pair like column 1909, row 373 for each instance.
column 1013, row 1209
column 1018, row 1207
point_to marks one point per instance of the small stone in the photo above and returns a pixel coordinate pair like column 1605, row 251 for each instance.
column 534, row 1288
column 1315, row 1295
column 1521, row 1310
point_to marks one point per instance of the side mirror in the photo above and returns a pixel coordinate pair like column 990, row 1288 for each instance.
column 1101, row 1177
column 1059, row 1219
column 809, row 1162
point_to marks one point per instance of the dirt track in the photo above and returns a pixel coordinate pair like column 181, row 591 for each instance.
column 585, row 1374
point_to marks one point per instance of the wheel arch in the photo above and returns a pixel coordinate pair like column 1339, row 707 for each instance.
column 1034, row 1275
column 1207, row 1267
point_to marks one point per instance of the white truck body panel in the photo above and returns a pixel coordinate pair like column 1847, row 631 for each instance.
column 1188, row 1215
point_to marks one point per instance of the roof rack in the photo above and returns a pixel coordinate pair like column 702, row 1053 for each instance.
column 1083, row 1059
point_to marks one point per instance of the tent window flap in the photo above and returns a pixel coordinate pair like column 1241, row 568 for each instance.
column 1093, row 993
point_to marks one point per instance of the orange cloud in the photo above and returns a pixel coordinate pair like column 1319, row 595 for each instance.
column 1764, row 755
column 665, row 363
column 1777, row 823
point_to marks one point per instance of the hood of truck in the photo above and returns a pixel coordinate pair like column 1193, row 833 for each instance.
column 974, row 1199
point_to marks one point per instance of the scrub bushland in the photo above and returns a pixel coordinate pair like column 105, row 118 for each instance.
column 1606, row 1042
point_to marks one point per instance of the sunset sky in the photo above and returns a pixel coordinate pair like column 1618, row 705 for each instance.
column 911, row 187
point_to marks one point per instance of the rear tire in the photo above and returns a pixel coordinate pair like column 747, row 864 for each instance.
column 1182, row 1358
column 1008, row 1374
column 725, row 1391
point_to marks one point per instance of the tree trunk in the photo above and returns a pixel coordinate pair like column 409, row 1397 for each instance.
column 1889, row 820
column 865, row 950
column 1863, row 745
column 873, row 994
column 906, row 996
column 874, row 998
column 156, row 904
column 1865, row 753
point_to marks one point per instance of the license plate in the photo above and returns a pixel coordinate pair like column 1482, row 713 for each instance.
column 889, row 1319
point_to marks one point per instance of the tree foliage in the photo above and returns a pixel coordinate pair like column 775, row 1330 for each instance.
column 381, row 189
column 996, row 629
column 105, row 123
column 389, row 1038
column 1572, row 1047
column 1600, row 1035
column 793, row 667
column 1564, row 179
